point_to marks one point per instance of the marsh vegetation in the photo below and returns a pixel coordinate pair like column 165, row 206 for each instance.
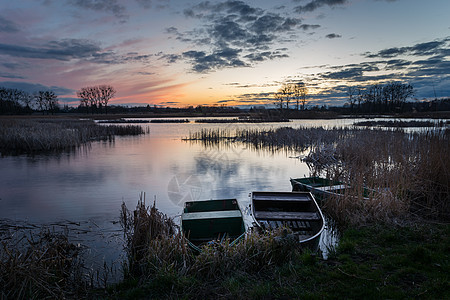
column 39, row 135
column 410, row 168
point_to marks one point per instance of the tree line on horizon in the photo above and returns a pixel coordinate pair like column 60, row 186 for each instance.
column 15, row 101
column 377, row 98
column 391, row 97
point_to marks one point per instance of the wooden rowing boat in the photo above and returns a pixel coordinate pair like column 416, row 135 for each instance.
column 324, row 188
column 212, row 221
column 296, row 210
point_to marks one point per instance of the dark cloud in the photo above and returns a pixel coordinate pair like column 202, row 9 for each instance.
column 59, row 50
column 170, row 58
column 309, row 27
column 68, row 49
column 333, row 36
column 426, row 67
column 8, row 26
column 153, row 3
column 429, row 48
column 109, row 6
column 235, row 25
column 10, row 76
column 315, row 4
column 35, row 87
column 203, row 62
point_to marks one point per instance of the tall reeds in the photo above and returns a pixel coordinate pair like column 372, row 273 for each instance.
column 410, row 171
column 155, row 245
column 40, row 266
column 35, row 135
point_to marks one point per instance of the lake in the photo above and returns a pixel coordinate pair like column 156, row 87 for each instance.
column 84, row 189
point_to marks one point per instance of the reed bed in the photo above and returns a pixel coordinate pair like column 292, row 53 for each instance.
column 410, row 171
column 155, row 245
column 244, row 120
column 40, row 266
column 397, row 123
column 25, row 136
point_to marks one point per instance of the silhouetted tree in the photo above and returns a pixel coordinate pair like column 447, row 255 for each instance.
column 352, row 98
column 46, row 101
column 96, row 97
column 300, row 92
column 106, row 93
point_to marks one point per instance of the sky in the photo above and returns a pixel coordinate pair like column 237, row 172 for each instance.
column 235, row 53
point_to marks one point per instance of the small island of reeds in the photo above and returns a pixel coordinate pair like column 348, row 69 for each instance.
column 39, row 135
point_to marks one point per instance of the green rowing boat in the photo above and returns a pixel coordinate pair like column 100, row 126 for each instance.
column 324, row 188
column 212, row 221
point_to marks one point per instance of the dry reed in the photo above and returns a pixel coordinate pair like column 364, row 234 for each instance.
column 155, row 245
column 410, row 171
column 37, row 267
column 24, row 136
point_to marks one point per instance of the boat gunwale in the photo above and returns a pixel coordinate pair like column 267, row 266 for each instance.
column 238, row 208
column 322, row 219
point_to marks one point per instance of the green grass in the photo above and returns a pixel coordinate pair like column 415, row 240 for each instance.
column 373, row 262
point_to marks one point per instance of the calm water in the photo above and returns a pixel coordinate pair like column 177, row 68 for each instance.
column 85, row 188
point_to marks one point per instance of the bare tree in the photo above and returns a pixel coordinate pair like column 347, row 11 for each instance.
column 96, row 97
column 351, row 93
column 300, row 92
column 106, row 93
column 278, row 100
column 52, row 101
column 46, row 101
column 84, row 96
column 286, row 92
column 40, row 101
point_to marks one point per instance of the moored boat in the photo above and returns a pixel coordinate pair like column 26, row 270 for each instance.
column 323, row 188
column 296, row 210
column 210, row 221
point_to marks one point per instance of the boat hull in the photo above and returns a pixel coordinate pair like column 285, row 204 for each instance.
column 323, row 188
column 296, row 210
column 209, row 221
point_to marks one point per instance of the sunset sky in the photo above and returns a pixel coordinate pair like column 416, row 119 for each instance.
column 180, row 53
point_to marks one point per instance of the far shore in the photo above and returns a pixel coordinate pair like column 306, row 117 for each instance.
column 289, row 115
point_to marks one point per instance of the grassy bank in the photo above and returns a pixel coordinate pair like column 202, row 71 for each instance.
column 377, row 261
column 371, row 262
column 39, row 135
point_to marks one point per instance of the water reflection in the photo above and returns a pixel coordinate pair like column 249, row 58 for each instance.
column 90, row 183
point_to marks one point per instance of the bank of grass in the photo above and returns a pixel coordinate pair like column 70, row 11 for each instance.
column 371, row 262
column 377, row 261
column 44, row 135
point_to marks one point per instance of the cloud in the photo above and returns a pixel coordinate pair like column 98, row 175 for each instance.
column 109, row 6
column 203, row 62
column 11, row 76
column 59, row 50
column 8, row 26
column 309, row 27
column 232, row 25
column 437, row 47
column 333, row 36
column 150, row 3
column 69, row 49
column 316, row 4
column 35, row 87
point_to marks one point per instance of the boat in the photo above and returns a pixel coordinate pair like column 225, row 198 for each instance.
column 320, row 187
column 323, row 188
column 212, row 221
column 296, row 210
